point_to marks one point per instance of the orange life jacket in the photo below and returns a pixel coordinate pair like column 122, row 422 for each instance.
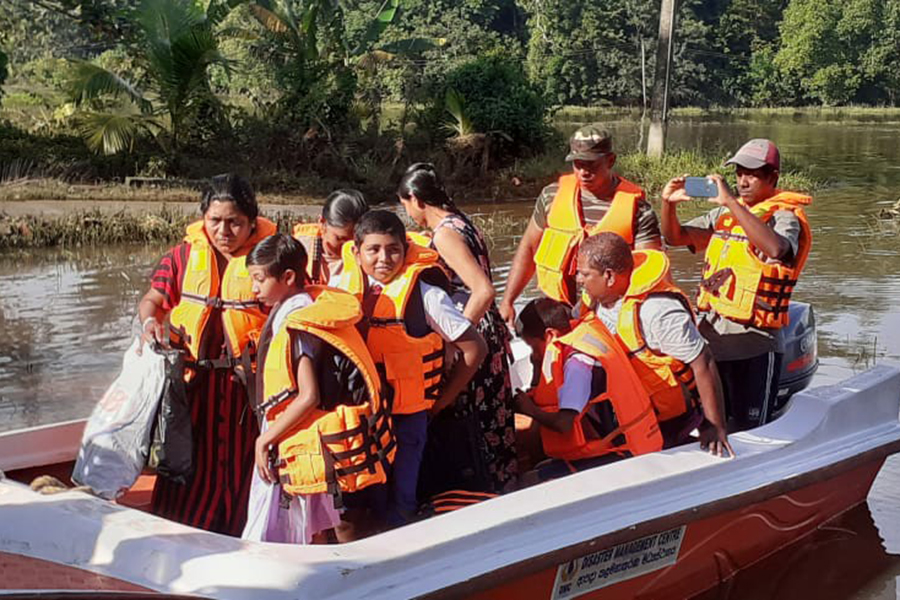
column 635, row 429
column 344, row 449
column 203, row 295
column 741, row 286
column 412, row 366
column 316, row 267
column 556, row 255
column 669, row 381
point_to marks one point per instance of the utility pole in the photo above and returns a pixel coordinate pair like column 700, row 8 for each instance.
column 659, row 105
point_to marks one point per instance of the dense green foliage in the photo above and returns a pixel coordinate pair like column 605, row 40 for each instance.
column 290, row 88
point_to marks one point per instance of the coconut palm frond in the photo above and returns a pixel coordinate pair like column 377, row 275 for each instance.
column 163, row 21
column 111, row 133
column 89, row 81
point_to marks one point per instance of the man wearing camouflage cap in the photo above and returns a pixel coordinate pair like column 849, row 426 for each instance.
column 590, row 199
column 756, row 246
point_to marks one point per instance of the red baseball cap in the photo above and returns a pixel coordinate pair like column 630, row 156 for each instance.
column 755, row 154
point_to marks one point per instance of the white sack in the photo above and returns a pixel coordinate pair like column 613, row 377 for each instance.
column 117, row 435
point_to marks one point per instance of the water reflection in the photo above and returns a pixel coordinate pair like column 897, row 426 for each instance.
column 64, row 324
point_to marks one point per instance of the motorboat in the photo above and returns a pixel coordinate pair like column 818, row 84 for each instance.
column 672, row 524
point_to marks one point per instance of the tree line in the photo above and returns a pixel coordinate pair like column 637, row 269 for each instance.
column 307, row 72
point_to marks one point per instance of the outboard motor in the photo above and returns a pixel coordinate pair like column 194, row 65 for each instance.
column 801, row 358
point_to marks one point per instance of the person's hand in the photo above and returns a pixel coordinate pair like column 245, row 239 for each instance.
column 715, row 440
column 724, row 198
column 674, row 192
column 524, row 403
column 508, row 313
column 151, row 331
column 439, row 405
column 261, row 457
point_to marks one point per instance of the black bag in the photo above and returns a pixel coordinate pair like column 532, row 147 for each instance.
column 454, row 456
column 172, row 448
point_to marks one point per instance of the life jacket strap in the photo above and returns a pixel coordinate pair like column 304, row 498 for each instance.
column 275, row 400
column 218, row 303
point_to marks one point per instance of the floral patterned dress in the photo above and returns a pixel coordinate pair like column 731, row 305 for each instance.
column 490, row 392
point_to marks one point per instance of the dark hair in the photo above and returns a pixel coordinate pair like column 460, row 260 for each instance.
column 231, row 187
column 344, row 207
column 278, row 253
column 379, row 221
column 541, row 314
column 422, row 180
column 608, row 250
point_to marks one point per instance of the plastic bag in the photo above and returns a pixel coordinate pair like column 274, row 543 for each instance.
column 115, row 441
column 172, row 448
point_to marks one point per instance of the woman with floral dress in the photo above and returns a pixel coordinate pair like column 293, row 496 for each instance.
column 464, row 255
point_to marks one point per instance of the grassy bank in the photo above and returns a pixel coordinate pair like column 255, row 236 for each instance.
column 55, row 189
column 96, row 228
column 522, row 181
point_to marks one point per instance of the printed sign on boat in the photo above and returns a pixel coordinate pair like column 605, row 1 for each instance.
column 619, row 563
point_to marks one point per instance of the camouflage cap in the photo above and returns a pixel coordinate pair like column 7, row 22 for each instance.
column 590, row 143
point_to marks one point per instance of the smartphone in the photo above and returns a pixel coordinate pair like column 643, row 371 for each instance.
column 700, row 187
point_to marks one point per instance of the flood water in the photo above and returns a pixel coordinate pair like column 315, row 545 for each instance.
column 65, row 318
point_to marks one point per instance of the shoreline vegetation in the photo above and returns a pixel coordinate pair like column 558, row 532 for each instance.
column 163, row 223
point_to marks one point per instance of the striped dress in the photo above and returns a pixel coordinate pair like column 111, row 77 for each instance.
column 224, row 430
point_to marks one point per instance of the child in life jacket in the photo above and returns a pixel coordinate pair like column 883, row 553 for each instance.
column 588, row 403
column 319, row 397
column 408, row 320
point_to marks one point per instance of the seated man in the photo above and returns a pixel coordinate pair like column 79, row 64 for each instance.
column 633, row 294
column 589, row 403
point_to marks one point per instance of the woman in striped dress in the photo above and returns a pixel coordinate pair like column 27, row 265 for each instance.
column 186, row 283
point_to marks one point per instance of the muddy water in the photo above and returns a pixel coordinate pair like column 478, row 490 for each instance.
column 65, row 317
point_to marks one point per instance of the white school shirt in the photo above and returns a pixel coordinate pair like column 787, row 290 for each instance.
column 441, row 313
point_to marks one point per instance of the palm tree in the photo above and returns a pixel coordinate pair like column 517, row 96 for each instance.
column 175, row 48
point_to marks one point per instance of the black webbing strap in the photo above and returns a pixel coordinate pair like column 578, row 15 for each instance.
column 273, row 401
column 226, row 362
column 638, row 350
column 434, row 372
column 380, row 322
column 318, row 251
column 433, row 392
column 246, row 373
column 372, row 429
column 433, row 355
column 216, row 302
column 331, row 482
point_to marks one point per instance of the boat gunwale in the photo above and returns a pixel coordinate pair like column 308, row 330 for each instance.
column 560, row 556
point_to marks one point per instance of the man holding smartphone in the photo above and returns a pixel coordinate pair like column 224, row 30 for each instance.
column 756, row 246
column 590, row 199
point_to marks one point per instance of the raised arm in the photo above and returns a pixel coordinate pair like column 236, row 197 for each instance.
column 456, row 254
column 521, row 271
column 763, row 237
column 674, row 232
